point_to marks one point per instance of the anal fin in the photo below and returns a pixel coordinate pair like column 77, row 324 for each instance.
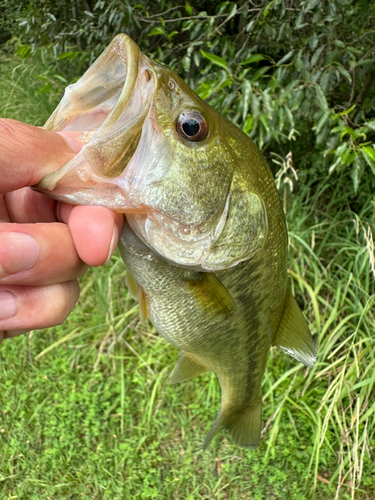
column 187, row 367
column 244, row 425
column 293, row 335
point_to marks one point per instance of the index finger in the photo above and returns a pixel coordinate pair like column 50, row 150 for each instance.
column 28, row 153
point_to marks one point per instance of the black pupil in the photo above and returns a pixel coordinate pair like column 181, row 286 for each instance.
column 191, row 127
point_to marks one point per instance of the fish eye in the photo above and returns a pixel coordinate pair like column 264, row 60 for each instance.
column 192, row 125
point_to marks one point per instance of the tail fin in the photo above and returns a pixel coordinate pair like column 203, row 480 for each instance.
column 244, row 425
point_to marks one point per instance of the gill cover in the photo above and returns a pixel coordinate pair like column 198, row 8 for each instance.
column 186, row 191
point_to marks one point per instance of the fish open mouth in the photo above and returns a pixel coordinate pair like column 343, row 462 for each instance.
column 109, row 104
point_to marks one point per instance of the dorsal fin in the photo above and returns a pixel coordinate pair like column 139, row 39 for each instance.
column 293, row 335
column 187, row 367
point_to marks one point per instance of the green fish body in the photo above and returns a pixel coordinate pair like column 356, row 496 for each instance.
column 205, row 243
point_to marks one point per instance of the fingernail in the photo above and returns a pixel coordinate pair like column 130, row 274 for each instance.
column 18, row 252
column 71, row 139
column 8, row 305
column 113, row 242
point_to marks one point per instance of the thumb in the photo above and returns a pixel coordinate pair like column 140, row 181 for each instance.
column 28, row 153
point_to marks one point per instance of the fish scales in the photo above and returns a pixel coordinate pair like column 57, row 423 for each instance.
column 205, row 239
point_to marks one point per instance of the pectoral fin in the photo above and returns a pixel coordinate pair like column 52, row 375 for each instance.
column 132, row 285
column 293, row 335
column 187, row 367
column 143, row 313
column 243, row 425
column 211, row 295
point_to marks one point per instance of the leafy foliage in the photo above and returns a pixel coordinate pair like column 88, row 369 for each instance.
column 296, row 76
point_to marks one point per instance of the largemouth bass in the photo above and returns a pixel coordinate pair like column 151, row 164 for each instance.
column 205, row 243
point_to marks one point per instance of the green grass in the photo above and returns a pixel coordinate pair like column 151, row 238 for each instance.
column 95, row 418
column 86, row 410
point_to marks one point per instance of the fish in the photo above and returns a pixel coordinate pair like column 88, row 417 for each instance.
column 205, row 238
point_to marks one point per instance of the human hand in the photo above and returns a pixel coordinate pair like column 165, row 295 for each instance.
column 44, row 245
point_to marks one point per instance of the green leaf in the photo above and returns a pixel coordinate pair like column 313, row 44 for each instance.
column 23, row 51
column 264, row 121
column 158, row 30
column 298, row 63
column 344, row 113
column 253, row 58
column 325, row 80
column 344, row 72
column 357, row 171
column 311, row 4
column 368, row 154
column 333, row 165
column 322, row 120
column 186, row 63
column 219, row 61
column 317, row 54
column 370, row 124
column 364, row 61
column 286, row 57
column 349, row 131
column 289, row 114
column 246, row 92
column 260, row 73
column 189, row 10
column 70, row 55
column 269, row 7
column 321, row 98
column 248, row 124
column 313, row 41
column 232, row 11
column 339, row 43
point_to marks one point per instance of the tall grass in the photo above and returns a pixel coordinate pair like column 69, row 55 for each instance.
column 87, row 412
column 332, row 269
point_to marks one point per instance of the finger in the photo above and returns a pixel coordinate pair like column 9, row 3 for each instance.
column 29, row 153
column 95, row 231
column 38, row 254
column 29, row 308
column 27, row 206
column 8, row 335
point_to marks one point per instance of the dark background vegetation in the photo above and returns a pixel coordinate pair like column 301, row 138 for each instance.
column 281, row 70
column 298, row 77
